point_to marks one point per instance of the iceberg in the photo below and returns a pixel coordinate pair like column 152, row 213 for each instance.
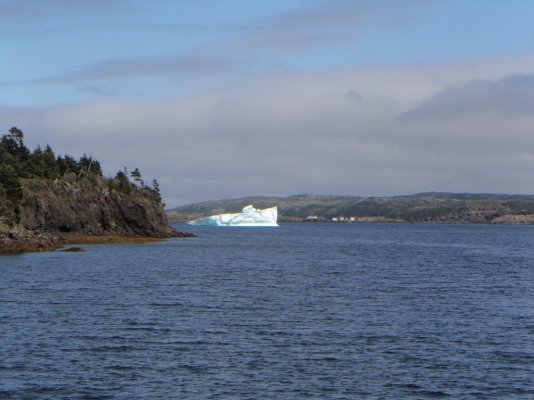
column 248, row 217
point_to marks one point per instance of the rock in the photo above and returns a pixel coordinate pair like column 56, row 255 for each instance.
column 74, row 249
column 179, row 234
column 21, row 241
column 70, row 207
column 92, row 208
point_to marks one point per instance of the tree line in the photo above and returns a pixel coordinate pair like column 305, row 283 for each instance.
column 17, row 162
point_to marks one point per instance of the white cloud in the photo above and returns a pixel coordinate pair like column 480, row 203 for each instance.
column 361, row 132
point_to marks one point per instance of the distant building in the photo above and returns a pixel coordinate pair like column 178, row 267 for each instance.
column 343, row 219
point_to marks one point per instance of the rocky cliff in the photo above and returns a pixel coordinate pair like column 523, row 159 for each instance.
column 45, row 199
column 19, row 240
column 52, row 212
column 67, row 205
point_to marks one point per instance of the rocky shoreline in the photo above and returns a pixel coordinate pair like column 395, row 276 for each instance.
column 68, row 211
column 47, row 201
column 25, row 241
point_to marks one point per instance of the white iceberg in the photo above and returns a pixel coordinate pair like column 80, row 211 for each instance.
column 248, row 217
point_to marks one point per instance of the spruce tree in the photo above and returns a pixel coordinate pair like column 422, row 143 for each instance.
column 155, row 190
column 51, row 170
column 10, row 182
column 136, row 175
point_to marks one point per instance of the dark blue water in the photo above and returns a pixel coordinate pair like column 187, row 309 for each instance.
column 301, row 311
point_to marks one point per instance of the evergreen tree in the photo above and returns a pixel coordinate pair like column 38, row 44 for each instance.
column 10, row 195
column 155, row 190
column 36, row 163
column 96, row 167
column 13, row 144
column 10, row 182
column 17, row 135
column 136, row 175
column 89, row 167
column 6, row 158
column 122, row 182
column 50, row 163
column 67, row 165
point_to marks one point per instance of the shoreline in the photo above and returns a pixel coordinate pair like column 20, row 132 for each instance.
column 69, row 239
column 371, row 220
column 20, row 242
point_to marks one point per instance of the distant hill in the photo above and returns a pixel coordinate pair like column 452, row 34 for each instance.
column 431, row 207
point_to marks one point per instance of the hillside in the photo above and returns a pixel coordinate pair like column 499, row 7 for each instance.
column 419, row 208
column 46, row 200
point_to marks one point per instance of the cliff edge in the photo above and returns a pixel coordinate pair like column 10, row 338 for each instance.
column 46, row 201
column 67, row 205
column 67, row 209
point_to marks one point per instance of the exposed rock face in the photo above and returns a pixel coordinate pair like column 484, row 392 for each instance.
column 514, row 219
column 92, row 208
column 20, row 241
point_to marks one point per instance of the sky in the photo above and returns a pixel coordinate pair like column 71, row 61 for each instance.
column 223, row 99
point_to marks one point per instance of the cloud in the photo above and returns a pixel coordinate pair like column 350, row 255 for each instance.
column 227, row 48
column 354, row 131
column 315, row 26
column 512, row 95
column 480, row 118
column 159, row 67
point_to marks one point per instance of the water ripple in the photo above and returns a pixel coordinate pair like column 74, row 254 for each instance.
column 303, row 311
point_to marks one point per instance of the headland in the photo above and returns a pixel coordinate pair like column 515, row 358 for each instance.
column 47, row 201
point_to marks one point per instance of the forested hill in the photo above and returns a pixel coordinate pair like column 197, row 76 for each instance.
column 423, row 207
column 42, row 193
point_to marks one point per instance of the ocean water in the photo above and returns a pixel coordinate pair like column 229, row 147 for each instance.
column 318, row 311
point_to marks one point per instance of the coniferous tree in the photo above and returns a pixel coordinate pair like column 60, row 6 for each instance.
column 136, row 175
column 51, row 169
column 17, row 135
column 36, row 164
column 96, row 168
column 6, row 158
column 10, row 182
column 67, row 164
column 89, row 169
column 85, row 164
column 122, row 182
column 155, row 190
column 12, row 144
column 16, row 162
